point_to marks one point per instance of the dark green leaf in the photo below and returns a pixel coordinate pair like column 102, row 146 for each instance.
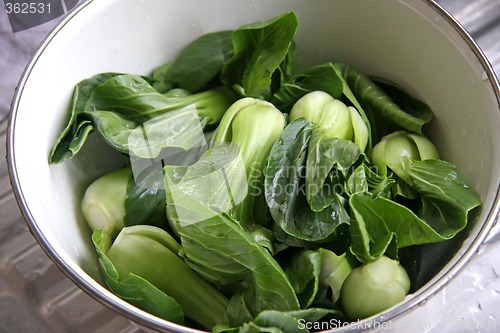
column 443, row 210
column 446, row 197
column 158, row 83
column 197, row 64
column 259, row 49
column 365, row 179
column 380, row 107
column 404, row 100
column 145, row 199
column 324, row 153
column 285, row 192
column 75, row 133
column 284, row 72
column 376, row 221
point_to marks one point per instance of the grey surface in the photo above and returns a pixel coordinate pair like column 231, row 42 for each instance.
column 36, row 297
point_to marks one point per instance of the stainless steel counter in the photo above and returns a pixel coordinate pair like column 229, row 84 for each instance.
column 36, row 297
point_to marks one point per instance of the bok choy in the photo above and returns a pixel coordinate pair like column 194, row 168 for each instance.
column 259, row 197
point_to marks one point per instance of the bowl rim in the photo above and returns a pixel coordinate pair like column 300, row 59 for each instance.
column 145, row 319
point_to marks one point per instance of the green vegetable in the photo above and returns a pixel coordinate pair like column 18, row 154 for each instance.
column 215, row 245
column 286, row 213
column 285, row 195
column 334, row 271
column 441, row 212
column 197, row 65
column 164, row 269
column 259, row 50
column 328, row 163
column 389, row 152
column 116, row 200
column 103, row 205
column 303, row 271
column 380, row 107
column 365, row 178
column 331, row 79
column 330, row 115
column 132, row 106
column 133, row 288
column 318, row 78
column 117, row 104
column 253, row 126
column 74, row 135
column 373, row 288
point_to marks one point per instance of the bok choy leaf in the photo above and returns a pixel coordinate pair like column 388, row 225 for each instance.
column 75, row 133
column 198, row 64
column 380, row 107
column 259, row 49
column 133, row 288
column 286, row 196
column 199, row 197
column 443, row 210
column 117, row 104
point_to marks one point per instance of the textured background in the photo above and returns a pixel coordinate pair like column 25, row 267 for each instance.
column 36, row 297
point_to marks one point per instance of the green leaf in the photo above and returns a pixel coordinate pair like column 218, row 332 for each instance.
column 165, row 269
column 447, row 199
column 197, row 64
column 284, row 72
column 318, row 78
column 303, row 270
column 130, row 95
column 324, row 153
column 113, row 128
column 381, row 108
column 145, row 200
column 285, row 194
column 377, row 222
column 135, row 99
column 404, row 100
column 273, row 321
column 77, row 129
column 442, row 210
column 259, row 49
column 329, row 78
column 134, row 289
column 119, row 107
column 149, row 140
column 200, row 198
column 364, row 178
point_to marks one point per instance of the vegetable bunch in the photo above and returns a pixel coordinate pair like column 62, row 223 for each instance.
column 254, row 196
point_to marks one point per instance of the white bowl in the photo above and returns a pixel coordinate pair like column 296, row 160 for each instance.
column 414, row 43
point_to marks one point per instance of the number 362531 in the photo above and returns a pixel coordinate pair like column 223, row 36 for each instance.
column 27, row 8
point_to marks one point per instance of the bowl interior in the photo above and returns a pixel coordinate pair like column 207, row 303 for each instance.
column 409, row 42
